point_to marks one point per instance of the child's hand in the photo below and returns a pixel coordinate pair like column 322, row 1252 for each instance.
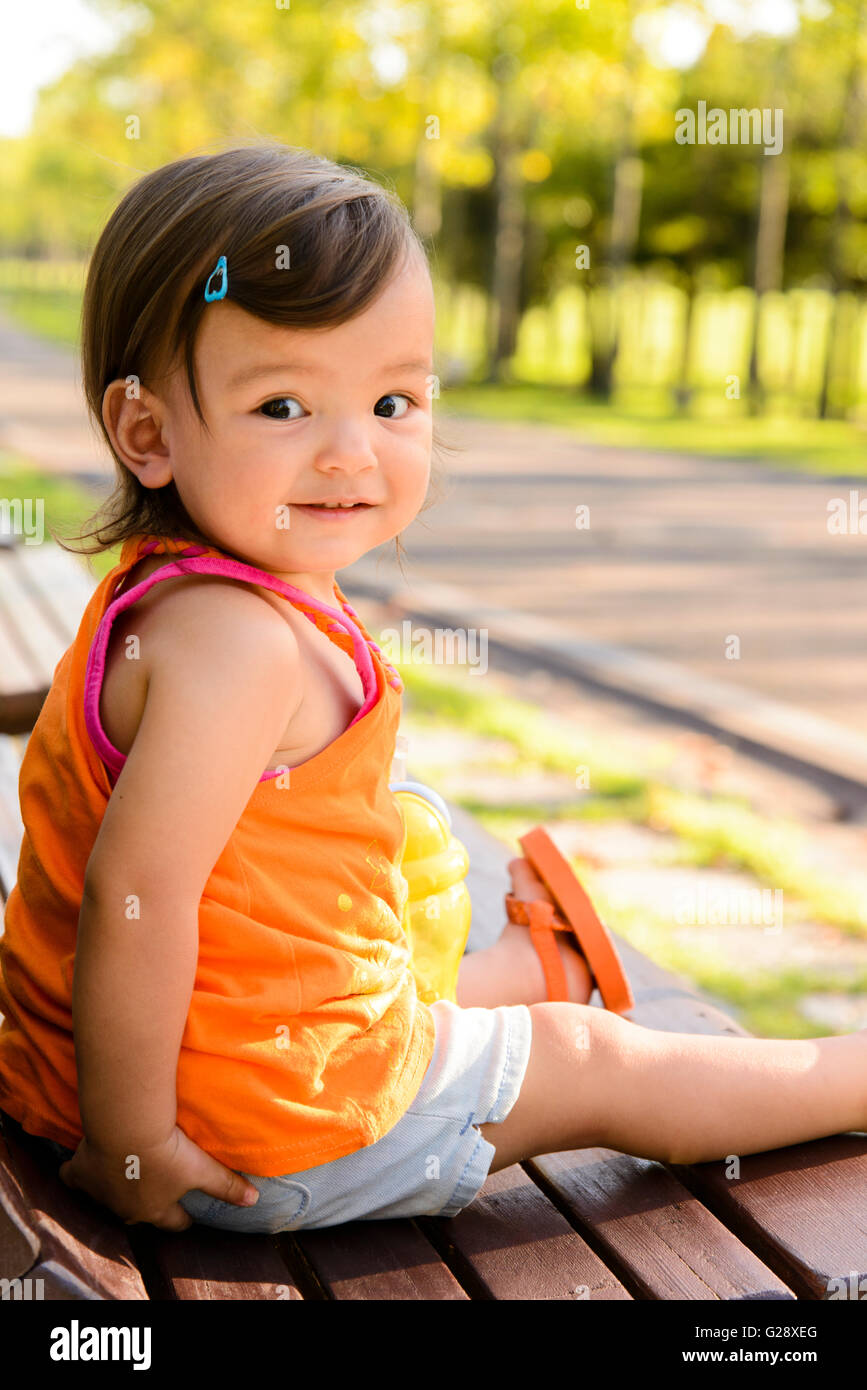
column 167, row 1171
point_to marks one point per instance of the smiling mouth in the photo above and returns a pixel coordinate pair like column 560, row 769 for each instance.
column 323, row 507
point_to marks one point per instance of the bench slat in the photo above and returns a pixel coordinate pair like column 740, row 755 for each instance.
column 11, row 825
column 512, row 1243
column 74, row 1233
column 370, row 1260
column 22, row 691
column 664, row 1243
column 44, row 591
column 30, row 1278
column 36, row 636
column 801, row 1208
column 60, row 583
column 19, row 1243
column 60, row 1285
column 797, row 1208
column 205, row 1263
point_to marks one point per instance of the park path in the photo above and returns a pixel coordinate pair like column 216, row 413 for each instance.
column 42, row 411
column 681, row 555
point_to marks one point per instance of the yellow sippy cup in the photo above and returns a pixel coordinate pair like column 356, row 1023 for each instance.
column 436, row 915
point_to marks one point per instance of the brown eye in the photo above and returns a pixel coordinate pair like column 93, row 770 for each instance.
column 277, row 409
column 394, row 396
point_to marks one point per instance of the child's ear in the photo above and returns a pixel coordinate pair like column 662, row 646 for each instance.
column 133, row 417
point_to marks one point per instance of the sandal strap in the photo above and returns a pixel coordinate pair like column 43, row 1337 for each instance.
column 540, row 919
column 517, row 911
column 594, row 939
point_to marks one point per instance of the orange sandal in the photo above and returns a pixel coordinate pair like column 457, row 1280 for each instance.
column 580, row 917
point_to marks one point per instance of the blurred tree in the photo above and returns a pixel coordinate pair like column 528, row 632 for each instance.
column 770, row 239
column 850, row 129
column 513, row 134
column 623, row 224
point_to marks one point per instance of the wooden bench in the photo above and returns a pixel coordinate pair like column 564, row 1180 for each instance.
column 43, row 592
column 589, row 1224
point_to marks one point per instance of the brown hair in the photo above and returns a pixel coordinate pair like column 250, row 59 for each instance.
column 144, row 295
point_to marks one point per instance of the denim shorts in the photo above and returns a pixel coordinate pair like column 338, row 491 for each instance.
column 432, row 1162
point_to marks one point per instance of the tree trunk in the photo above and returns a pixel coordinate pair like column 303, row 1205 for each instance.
column 824, row 410
column 600, row 313
column 427, row 193
column 683, row 389
column 848, row 138
column 770, row 246
column 622, row 241
column 623, row 232
column 508, row 257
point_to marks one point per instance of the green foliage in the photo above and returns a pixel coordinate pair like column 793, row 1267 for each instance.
column 358, row 84
column 712, row 830
column 454, row 105
column 66, row 504
column 54, row 315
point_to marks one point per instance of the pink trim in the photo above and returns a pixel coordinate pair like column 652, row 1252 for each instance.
column 201, row 564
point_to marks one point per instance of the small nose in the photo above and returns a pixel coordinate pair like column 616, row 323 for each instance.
column 346, row 445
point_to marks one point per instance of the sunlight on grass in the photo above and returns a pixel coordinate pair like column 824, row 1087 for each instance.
column 637, row 416
column 544, row 742
column 716, row 831
column 645, row 420
column 765, row 1002
column 55, row 316
column 67, row 505
column 772, row 850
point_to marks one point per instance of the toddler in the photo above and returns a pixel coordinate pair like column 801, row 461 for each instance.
column 209, row 1008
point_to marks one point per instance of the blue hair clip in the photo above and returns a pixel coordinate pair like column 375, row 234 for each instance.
column 219, row 269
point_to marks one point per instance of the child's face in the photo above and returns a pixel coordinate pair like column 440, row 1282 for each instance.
column 299, row 416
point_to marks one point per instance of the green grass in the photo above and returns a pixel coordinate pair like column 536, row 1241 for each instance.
column 715, row 831
column 710, row 831
column 645, row 420
column 637, row 417
column 52, row 315
column 529, row 729
column 66, row 504
column 764, row 1002
column 722, row 832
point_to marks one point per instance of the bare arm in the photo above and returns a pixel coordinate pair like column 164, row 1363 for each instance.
column 222, row 671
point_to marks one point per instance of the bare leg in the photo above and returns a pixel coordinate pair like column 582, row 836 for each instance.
column 596, row 1079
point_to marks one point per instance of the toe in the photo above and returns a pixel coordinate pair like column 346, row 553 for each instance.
column 525, row 882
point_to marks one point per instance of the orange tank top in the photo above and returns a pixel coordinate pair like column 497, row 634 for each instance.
column 305, row 1039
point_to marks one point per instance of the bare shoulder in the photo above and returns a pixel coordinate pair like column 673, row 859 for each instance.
column 199, row 628
column 211, row 611
column 221, row 670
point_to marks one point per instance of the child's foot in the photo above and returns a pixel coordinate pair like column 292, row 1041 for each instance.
column 527, row 885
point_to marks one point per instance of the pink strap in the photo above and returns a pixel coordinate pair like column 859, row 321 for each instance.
column 201, row 563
